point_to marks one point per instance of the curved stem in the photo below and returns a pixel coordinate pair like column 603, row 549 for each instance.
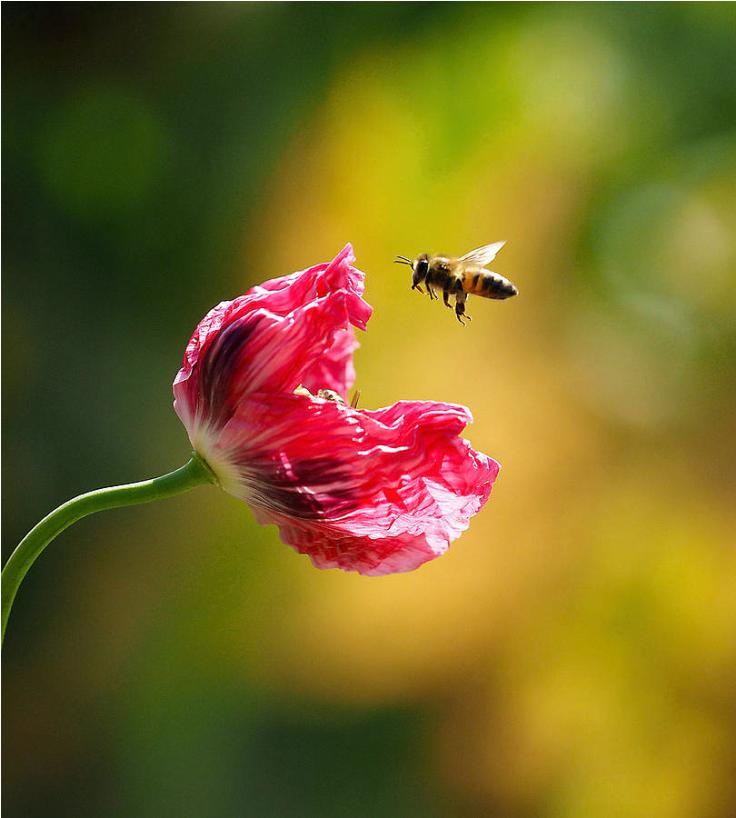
column 194, row 473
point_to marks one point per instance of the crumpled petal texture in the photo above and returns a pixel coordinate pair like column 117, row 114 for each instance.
column 276, row 336
column 377, row 491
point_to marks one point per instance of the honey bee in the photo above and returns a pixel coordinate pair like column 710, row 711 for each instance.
column 460, row 277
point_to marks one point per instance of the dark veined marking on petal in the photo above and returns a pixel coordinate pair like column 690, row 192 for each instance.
column 311, row 489
column 217, row 369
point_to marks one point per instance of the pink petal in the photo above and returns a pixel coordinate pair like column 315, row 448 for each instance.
column 374, row 492
column 269, row 340
column 334, row 370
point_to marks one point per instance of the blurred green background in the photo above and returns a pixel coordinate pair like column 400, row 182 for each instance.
column 574, row 654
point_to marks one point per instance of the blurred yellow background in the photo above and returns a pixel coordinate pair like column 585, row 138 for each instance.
column 574, row 653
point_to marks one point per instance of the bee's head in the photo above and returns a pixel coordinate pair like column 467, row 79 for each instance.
column 420, row 266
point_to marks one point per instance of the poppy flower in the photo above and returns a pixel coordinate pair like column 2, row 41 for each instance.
column 374, row 491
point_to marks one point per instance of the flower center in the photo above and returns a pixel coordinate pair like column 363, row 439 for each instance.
column 329, row 394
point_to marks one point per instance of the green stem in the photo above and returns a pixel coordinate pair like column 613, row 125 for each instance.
column 194, row 473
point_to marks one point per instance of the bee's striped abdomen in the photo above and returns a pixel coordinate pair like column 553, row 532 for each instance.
column 476, row 282
column 488, row 285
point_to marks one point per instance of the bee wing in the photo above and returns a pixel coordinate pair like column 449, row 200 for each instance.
column 483, row 255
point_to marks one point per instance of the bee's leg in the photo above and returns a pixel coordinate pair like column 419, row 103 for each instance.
column 460, row 308
column 417, row 287
column 446, row 294
column 430, row 292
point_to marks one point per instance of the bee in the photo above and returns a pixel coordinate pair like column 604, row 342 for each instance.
column 460, row 277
